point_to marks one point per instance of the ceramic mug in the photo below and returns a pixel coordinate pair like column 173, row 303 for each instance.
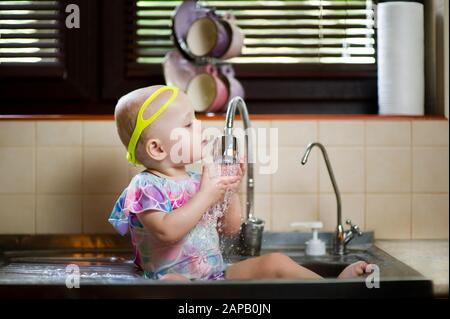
column 207, row 91
column 178, row 71
column 236, row 38
column 208, row 37
column 235, row 87
column 184, row 15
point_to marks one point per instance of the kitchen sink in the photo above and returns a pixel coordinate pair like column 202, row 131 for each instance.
column 326, row 270
column 108, row 272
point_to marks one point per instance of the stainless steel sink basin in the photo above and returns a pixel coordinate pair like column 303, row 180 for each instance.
column 108, row 272
column 326, row 270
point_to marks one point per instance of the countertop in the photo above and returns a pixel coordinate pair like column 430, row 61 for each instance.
column 429, row 257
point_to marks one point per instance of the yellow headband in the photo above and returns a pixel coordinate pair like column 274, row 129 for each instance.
column 141, row 123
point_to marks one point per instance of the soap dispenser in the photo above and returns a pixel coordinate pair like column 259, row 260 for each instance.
column 315, row 246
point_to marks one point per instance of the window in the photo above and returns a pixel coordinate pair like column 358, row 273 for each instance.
column 310, row 56
column 308, row 31
column 43, row 64
column 30, row 33
column 303, row 56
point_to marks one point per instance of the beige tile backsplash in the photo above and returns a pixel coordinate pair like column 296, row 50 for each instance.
column 430, row 133
column 17, row 214
column 430, row 169
column 100, row 133
column 389, row 215
column 59, row 170
column 55, row 133
column 340, row 133
column 14, row 133
column 17, row 170
column 388, row 133
column 64, row 176
column 289, row 208
column 296, row 133
column 348, row 167
column 389, row 169
column 353, row 207
column 57, row 214
column 292, row 176
column 430, row 215
column 96, row 210
column 104, row 170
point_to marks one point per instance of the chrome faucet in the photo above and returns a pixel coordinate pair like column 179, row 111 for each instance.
column 341, row 237
column 252, row 228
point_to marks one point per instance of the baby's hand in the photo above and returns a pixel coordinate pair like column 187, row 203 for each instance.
column 214, row 189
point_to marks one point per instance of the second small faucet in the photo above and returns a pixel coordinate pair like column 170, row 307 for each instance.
column 341, row 237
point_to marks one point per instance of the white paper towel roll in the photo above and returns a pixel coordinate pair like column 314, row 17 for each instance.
column 401, row 74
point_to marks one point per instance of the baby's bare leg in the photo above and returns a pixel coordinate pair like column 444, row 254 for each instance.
column 174, row 277
column 273, row 265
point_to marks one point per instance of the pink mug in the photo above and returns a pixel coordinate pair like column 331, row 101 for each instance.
column 207, row 91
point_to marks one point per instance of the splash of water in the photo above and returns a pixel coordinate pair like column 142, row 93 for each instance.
column 214, row 214
column 220, row 208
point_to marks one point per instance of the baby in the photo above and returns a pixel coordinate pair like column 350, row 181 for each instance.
column 166, row 208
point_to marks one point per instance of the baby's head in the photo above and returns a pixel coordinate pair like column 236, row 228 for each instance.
column 155, row 147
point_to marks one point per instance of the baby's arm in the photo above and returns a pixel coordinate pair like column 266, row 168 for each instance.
column 174, row 226
column 230, row 222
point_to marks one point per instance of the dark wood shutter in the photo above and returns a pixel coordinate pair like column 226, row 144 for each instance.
column 30, row 36
column 289, row 32
column 44, row 62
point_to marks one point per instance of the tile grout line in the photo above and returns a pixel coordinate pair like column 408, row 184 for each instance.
column 411, row 215
column 35, row 175
column 365, row 175
column 271, row 180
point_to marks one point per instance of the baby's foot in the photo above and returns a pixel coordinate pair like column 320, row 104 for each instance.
column 354, row 270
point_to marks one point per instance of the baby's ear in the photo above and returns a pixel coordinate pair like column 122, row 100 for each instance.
column 154, row 149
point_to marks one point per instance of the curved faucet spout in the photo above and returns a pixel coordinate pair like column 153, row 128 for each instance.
column 229, row 142
column 252, row 229
column 330, row 172
column 236, row 103
column 341, row 237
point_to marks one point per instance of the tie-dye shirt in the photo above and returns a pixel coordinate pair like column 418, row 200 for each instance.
column 196, row 256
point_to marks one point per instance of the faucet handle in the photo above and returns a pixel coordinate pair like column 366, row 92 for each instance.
column 354, row 228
